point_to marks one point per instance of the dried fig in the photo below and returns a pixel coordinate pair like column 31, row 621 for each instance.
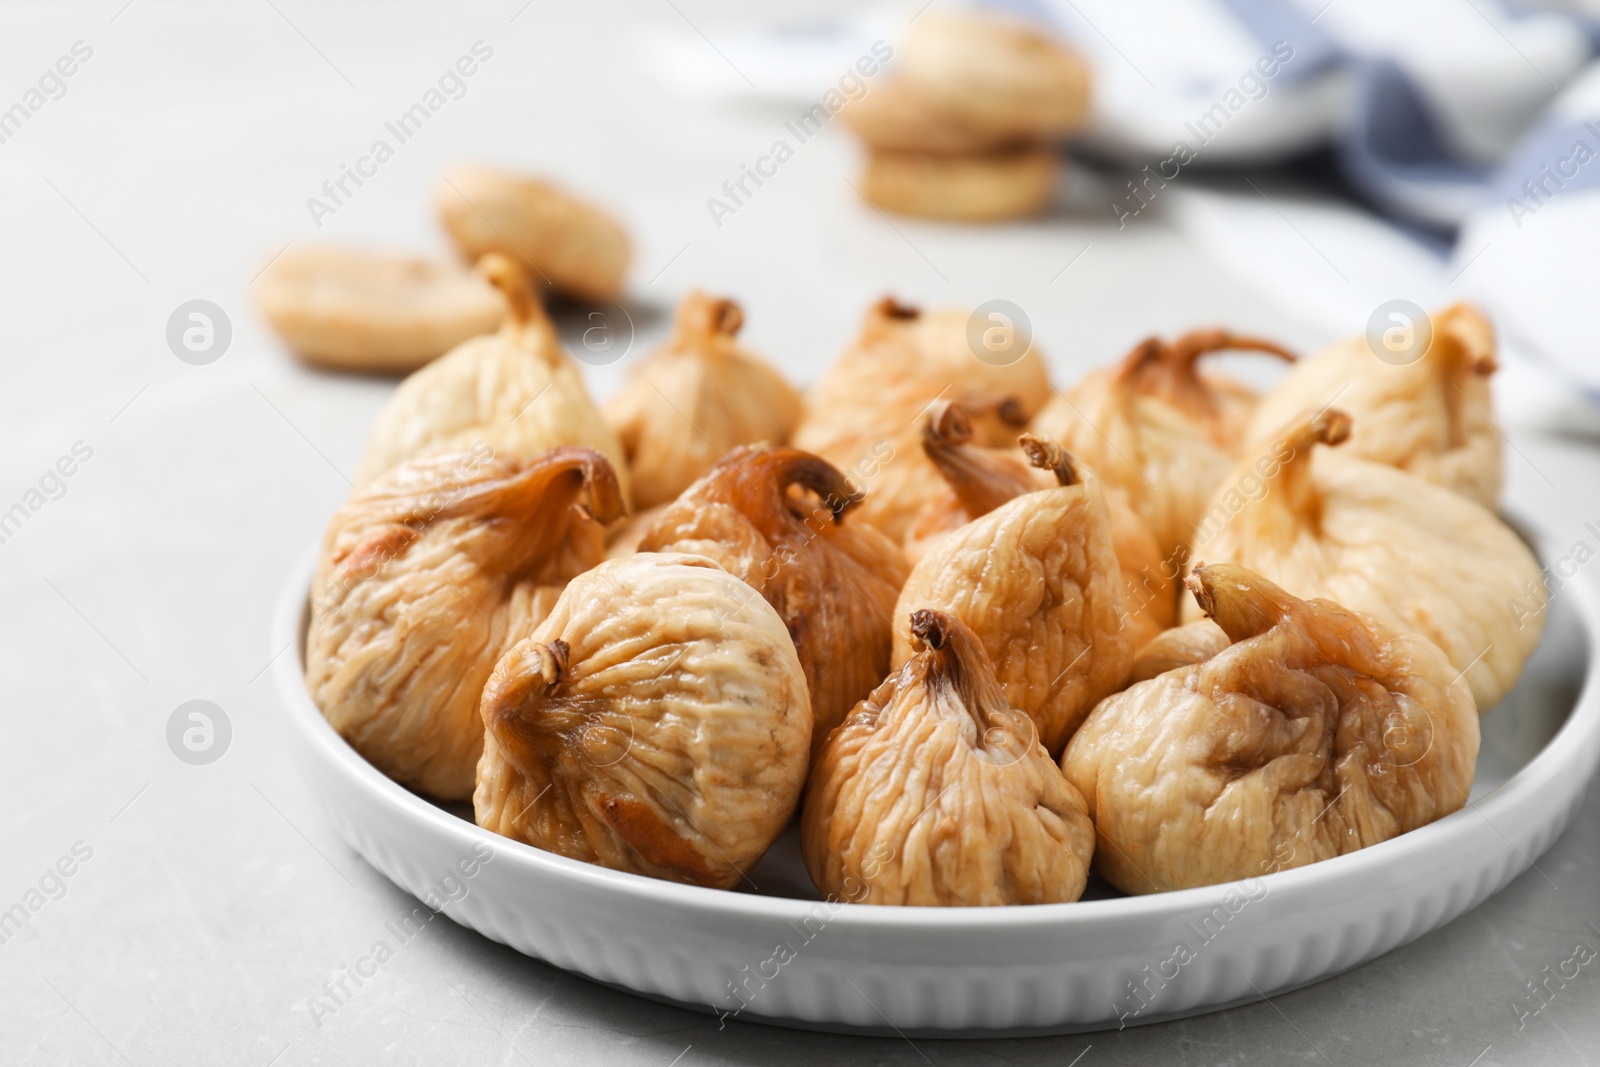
column 1316, row 731
column 1431, row 416
column 567, row 242
column 1158, row 429
column 774, row 517
column 997, row 73
column 1037, row 580
column 655, row 722
column 1180, row 646
column 352, row 309
column 981, row 479
column 516, row 391
column 1411, row 554
column 1012, row 183
column 897, row 116
column 426, row 576
column 865, row 415
column 936, row 792
column 690, row 402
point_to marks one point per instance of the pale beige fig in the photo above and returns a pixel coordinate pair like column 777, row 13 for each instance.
column 1180, row 646
column 1157, row 428
column 1012, row 183
column 865, row 415
column 1220, row 404
column 1037, row 580
column 898, row 116
column 936, row 791
column 656, row 722
column 783, row 521
column 997, row 73
column 353, row 309
column 696, row 399
column 424, row 579
column 565, row 242
column 516, row 391
column 1314, row 732
column 981, row 479
column 1411, row 554
column 1429, row 414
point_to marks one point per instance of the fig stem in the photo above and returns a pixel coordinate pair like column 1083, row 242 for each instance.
column 507, row 275
column 1239, row 600
column 703, row 318
column 1046, row 455
column 555, row 662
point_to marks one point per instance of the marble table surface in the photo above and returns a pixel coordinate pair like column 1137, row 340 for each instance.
column 207, row 904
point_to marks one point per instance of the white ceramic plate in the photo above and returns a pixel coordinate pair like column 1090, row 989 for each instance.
column 778, row 954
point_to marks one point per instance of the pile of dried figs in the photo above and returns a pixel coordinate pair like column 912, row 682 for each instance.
column 977, row 636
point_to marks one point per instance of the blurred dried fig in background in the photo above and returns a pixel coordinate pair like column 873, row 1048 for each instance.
column 515, row 391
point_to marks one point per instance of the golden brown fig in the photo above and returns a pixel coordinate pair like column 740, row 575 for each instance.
column 997, row 73
column 425, row 578
column 833, row 583
column 981, row 479
column 936, row 792
column 566, row 242
column 1037, row 580
column 1012, row 183
column 1432, row 416
column 1411, row 554
column 515, row 391
column 656, row 722
column 1156, row 428
column 1316, row 731
column 691, row 402
column 865, row 415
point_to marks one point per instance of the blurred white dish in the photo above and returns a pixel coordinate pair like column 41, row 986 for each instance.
column 778, row 954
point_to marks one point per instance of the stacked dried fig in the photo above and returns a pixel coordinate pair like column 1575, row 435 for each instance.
column 967, row 129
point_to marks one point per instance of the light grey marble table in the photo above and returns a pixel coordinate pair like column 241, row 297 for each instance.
column 207, row 905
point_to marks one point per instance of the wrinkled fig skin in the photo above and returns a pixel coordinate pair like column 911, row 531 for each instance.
column 1315, row 732
column 1221, row 405
column 1411, row 554
column 936, row 792
column 981, row 479
column 696, row 399
column 517, row 390
column 832, row 579
column 1180, row 646
column 656, row 722
column 425, row 577
column 1157, row 429
column 1432, row 417
column 865, row 415
column 1037, row 580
